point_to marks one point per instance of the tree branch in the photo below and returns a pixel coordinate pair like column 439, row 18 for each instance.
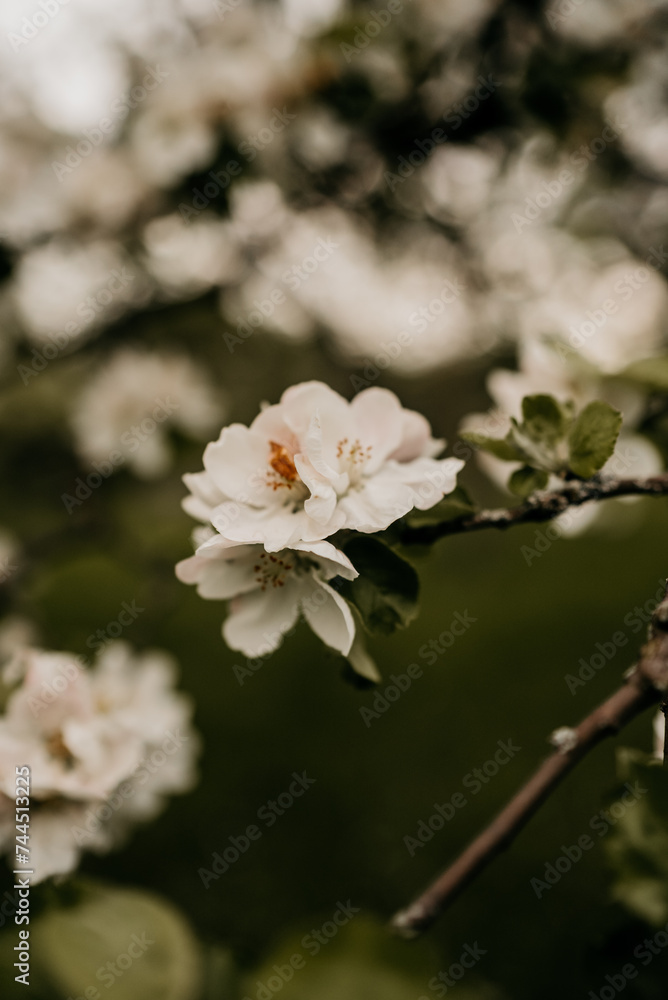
column 542, row 506
column 645, row 685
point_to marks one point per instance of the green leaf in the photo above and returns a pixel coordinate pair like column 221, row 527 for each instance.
column 637, row 844
column 649, row 371
column 361, row 962
column 593, row 437
column 386, row 591
column 220, row 976
column 526, row 480
column 73, row 943
column 503, row 448
column 545, row 420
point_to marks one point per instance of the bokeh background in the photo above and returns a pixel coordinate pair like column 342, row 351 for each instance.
column 165, row 168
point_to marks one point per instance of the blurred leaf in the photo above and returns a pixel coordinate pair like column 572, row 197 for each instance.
column 503, row 448
column 593, row 437
column 220, row 977
column 361, row 962
column 637, row 845
column 525, row 480
column 127, row 939
column 545, row 420
column 649, row 371
column 386, row 591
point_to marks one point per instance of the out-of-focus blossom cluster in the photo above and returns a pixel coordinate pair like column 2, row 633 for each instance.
column 178, row 163
column 105, row 746
column 126, row 408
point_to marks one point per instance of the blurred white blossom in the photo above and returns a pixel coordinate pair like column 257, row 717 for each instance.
column 104, row 745
column 127, row 408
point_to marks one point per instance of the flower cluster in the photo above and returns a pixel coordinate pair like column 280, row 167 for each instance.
column 272, row 494
column 103, row 745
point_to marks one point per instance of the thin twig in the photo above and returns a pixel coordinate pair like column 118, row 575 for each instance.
column 542, row 506
column 645, row 684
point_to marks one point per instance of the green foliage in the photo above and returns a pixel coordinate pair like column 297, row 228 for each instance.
column 525, row 480
column 637, row 845
column 552, row 440
column 545, row 420
column 360, row 963
column 74, row 945
column 652, row 372
column 503, row 448
column 592, row 438
column 386, row 591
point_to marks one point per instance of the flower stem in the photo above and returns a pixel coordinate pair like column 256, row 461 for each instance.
column 541, row 506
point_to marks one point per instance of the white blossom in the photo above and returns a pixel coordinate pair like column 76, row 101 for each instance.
column 314, row 464
column 127, row 407
column 104, row 746
column 268, row 591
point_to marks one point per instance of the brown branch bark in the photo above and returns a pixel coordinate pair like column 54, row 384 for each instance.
column 543, row 506
column 645, row 685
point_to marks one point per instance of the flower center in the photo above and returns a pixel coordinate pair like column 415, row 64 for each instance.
column 56, row 747
column 353, row 456
column 283, row 473
column 272, row 570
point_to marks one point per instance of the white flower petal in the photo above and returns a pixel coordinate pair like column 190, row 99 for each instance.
column 275, row 527
column 416, row 439
column 238, row 463
column 328, row 614
column 378, row 421
column 258, row 621
column 377, row 503
column 331, row 560
column 218, row 579
column 429, row 479
column 205, row 495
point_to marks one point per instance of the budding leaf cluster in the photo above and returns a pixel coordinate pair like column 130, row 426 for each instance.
column 637, row 845
column 552, row 440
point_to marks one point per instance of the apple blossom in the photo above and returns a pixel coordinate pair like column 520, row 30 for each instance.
column 103, row 745
column 268, row 591
column 126, row 409
column 314, row 464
